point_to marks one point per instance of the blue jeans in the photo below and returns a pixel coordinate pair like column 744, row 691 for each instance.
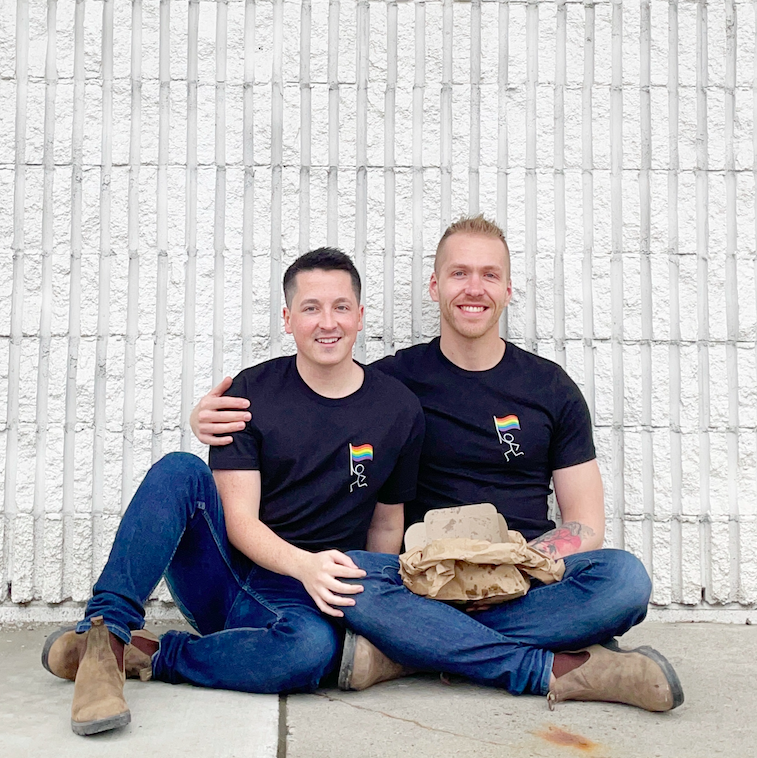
column 258, row 631
column 603, row 594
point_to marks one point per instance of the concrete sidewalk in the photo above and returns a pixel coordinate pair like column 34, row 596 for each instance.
column 167, row 721
column 417, row 717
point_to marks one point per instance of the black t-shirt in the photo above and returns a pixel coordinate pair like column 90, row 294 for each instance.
column 493, row 436
column 323, row 462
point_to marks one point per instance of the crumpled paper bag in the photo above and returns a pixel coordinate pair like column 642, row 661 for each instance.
column 463, row 570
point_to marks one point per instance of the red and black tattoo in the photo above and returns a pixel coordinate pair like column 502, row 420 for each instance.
column 564, row 540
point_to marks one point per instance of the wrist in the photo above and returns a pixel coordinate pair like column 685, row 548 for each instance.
column 300, row 563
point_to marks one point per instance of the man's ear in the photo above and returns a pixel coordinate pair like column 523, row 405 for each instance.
column 433, row 288
column 361, row 313
column 287, row 320
column 509, row 295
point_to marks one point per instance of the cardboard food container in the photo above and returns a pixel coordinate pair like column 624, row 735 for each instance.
column 466, row 554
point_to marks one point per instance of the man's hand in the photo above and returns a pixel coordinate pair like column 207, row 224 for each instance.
column 218, row 414
column 319, row 574
column 478, row 605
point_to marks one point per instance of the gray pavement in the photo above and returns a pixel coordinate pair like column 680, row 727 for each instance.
column 170, row 721
column 417, row 717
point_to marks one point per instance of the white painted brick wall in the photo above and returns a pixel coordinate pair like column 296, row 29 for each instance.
column 164, row 162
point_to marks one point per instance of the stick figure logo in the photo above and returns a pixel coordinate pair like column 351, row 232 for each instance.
column 504, row 427
column 359, row 454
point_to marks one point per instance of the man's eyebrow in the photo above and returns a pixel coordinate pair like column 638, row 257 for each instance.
column 317, row 301
column 488, row 267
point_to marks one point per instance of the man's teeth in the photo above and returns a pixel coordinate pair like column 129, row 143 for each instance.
column 472, row 308
column 327, row 340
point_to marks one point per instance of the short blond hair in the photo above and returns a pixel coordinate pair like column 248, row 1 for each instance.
column 479, row 225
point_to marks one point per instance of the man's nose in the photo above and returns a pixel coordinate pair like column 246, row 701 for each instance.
column 328, row 321
column 475, row 285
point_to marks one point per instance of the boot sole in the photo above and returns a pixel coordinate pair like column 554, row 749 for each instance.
column 49, row 642
column 670, row 673
column 85, row 728
column 668, row 670
column 348, row 662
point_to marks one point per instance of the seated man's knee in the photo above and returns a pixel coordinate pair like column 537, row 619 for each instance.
column 373, row 562
column 182, row 465
column 633, row 583
column 181, row 474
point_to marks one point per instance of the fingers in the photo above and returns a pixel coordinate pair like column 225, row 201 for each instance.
column 228, row 402
column 344, row 560
column 329, row 603
column 327, row 609
column 347, row 589
column 213, row 441
column 476, row 606
column 208, row 427
column 221, row 387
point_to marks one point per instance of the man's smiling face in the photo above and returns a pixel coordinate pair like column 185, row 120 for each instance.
column 324, row 317
column 471, row 283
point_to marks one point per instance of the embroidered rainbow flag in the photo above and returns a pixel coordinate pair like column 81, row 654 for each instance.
column 359, row 453
column 506, row 423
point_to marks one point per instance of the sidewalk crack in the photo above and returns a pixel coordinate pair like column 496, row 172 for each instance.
column 428, row 728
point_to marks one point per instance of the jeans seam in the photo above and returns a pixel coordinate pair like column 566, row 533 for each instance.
column 548, row 665
column 199, row 505
column 260, row 599
column 221, row 551
column 182, row 608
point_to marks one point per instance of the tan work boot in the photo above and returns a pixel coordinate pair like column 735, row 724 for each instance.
column 641, row 677
column 99, row 702
column 64, row 648
column 363, row 665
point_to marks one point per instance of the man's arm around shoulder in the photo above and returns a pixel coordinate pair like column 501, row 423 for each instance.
column 318, row 572
column 580, row 497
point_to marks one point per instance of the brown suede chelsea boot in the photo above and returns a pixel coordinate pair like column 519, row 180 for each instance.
column 64, row 648
column 641, row 677
column 99, row 703
column 363, row 665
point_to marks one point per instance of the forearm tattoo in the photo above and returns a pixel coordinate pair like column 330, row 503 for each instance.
column 564, row 540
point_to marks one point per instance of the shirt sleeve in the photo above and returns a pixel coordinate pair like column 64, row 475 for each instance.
column 401, row 485
column 572, row 442
column 243, row 454
column 389, row 364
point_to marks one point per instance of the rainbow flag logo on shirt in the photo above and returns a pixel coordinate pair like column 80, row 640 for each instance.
column 504, row 425
column 360, row 453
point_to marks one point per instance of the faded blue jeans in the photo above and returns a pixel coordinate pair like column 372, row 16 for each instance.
column 258, row 631
column 603, row 594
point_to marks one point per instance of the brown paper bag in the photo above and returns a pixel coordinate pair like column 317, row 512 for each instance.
column 456, row 568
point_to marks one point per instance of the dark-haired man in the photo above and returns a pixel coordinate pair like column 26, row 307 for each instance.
column 254, row 553
column 501, row 424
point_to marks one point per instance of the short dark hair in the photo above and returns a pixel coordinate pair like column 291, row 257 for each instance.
column 322, row 259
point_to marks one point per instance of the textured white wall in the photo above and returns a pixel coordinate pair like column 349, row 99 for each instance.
column 163, row 162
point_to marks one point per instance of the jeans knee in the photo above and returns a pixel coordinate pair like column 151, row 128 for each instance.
column 634, row 586
column 182, row 465
column 373, row 562
column 361, row 558
column 181, row 475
